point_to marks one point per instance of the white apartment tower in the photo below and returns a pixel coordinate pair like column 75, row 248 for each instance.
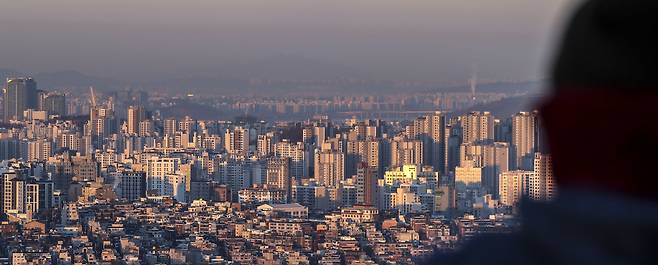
column 236, row 141
column 477, row 126
column 136, row 114
column 329, row 168
column 523, row 140
column 297, row 155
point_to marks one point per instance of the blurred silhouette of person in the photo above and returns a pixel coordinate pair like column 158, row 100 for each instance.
column 601, row 122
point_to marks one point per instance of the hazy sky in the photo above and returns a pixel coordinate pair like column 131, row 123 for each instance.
column 435, row 40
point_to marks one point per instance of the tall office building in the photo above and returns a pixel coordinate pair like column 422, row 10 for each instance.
column 477, row 126
column 54, row 104
column 136, row 114
column 19, row 94
column 524, row 140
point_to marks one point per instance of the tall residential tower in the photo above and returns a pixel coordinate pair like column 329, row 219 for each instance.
column 19, row 94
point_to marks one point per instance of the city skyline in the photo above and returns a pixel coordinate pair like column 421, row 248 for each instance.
column 345, row 190
column 315, row 132
column 270, row 132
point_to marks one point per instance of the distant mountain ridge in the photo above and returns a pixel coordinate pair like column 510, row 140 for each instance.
column 64, row 79
column 261, row 79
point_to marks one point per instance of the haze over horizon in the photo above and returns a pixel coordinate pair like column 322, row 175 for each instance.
column 142, row 41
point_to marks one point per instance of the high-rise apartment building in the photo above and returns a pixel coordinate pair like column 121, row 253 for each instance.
column 511, row 186
column 493, row 158
column 157, row 169
column 160, row 166
column 24, row 195
column 363, row 151
column 366, row 185
column 39, row 150
column 278, row 174
column 174, row 187
column 132, row 185
column 401, row 175
column 542, row 185
column 19, row 95
column 329, row 168
column 69, row 140
column 524, row 142
column 405, row 151
column 320, row 134
column 145, row 128
column 468, row 185
column 236, row 141
column 265, row 144
column 313, row 196
column 136, row 114
column 431, row 131
column 296, row 152
column 477, row 126
column 468, row 176
column 187, row 125
column 170, row 127
column 55, row 104
column 7, row 190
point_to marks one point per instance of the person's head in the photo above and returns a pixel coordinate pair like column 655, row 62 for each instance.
column 601, row 114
